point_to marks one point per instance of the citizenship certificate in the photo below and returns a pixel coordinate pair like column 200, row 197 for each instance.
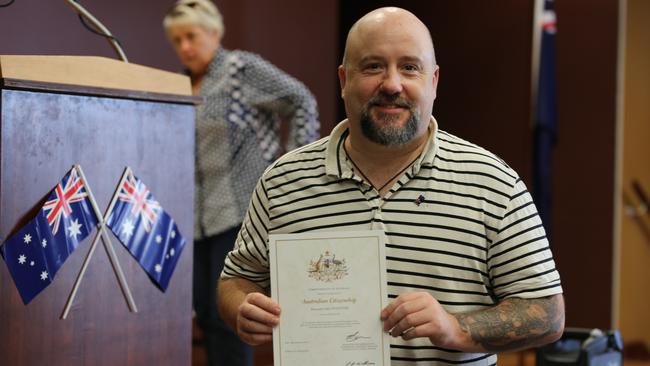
column 331, row 288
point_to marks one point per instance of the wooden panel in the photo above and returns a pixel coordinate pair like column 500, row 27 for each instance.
column 42, row 135
column 583, row 186
column 634, row 319
column 93, row 71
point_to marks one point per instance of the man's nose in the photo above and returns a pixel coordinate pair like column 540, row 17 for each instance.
column 392, row 82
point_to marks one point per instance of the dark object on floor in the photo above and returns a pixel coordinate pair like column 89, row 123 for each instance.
column 584, row 347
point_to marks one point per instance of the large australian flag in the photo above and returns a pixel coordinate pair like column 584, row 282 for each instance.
column 545, row 118
column 147, row 231
column 36, row 252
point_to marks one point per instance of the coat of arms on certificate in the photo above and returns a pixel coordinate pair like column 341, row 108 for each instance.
column 327, row 267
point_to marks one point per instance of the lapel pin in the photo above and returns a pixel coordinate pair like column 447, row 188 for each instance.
column 419, row 200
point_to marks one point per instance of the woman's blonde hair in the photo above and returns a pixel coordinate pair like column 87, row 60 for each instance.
column 200, row 12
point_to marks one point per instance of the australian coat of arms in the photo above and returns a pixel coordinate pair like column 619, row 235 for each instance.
column 327, row 268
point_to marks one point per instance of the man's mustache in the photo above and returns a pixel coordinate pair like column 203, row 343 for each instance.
column 383, row 99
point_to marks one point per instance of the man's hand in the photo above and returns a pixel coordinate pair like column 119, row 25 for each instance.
column 250, row 313
column 418, row 314
column 256, row 317
column 513, row 324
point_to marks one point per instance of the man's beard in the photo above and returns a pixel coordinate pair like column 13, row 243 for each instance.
column 388, row 135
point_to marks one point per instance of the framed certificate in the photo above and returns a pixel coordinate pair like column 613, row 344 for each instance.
column 331, row 288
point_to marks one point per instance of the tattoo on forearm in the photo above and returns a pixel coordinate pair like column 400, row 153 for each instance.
column 514, row 323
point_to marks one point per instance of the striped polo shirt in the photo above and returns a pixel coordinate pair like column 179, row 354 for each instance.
column 460, row 225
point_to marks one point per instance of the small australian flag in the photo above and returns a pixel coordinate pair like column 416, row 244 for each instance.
column 146, row 230
column 36, row 252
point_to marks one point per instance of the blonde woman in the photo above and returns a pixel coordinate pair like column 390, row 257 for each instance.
column 237, row 137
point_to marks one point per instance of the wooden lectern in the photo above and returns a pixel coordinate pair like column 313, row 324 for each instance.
column 56, row 111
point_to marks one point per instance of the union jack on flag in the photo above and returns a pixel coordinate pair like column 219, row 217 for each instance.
column 142, row 203
column 63, row 196
column 145, row 229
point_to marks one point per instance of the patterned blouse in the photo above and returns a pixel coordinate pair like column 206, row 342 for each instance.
column 238, row 133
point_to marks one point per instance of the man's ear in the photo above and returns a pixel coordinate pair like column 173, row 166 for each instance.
column 436, row 78
column 341, row 72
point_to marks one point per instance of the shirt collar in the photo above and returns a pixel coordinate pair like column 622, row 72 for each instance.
column 336, row 161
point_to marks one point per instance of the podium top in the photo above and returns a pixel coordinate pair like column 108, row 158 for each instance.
column 93, row 72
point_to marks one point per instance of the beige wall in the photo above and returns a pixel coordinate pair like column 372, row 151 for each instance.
column 634, row 240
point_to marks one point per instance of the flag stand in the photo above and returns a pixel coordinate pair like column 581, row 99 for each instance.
column 101, row 232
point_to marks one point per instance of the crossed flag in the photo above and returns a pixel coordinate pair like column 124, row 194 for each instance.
column 37, row 251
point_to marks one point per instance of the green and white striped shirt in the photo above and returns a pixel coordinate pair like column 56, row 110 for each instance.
column 460, row 224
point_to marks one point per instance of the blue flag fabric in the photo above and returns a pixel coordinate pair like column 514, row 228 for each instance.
column 545, row 119
column 36, row 252
column 147, row 231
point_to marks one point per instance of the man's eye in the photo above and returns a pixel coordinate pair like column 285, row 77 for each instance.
column 371, row 67
column 411, row 67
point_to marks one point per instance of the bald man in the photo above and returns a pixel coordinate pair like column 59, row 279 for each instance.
column 469, row 267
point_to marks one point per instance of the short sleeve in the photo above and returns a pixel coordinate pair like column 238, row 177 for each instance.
column 520, row 261
column 249, row 257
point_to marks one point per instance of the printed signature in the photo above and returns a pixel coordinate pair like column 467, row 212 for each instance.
column 359, row 363
column 355, row 337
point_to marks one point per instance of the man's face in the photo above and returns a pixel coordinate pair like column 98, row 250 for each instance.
column 194, row 45
column 389, row 82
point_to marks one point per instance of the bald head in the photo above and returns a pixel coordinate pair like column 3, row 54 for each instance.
column 383, row 22
column 388, row 78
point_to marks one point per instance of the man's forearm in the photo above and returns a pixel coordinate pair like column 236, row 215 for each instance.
column 515, row 323
column 232, row 292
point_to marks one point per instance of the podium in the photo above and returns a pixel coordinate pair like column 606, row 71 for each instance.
column 57, row 111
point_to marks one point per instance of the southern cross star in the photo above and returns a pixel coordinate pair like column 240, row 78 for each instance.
column 74, row 228
column 127, row 228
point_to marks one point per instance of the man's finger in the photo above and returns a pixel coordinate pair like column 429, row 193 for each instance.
column 406, row 306
column 255, row 339
column 263, row 302
column 408, row 322
column 257, row 314
column 252, row 326
column 390, row 308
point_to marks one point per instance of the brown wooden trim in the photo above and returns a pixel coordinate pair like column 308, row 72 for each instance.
column 58, row 88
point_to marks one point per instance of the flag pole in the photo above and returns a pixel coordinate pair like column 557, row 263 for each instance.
column 73, row 293
column 118, row 271
column 107, row 245
column 536, row 51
